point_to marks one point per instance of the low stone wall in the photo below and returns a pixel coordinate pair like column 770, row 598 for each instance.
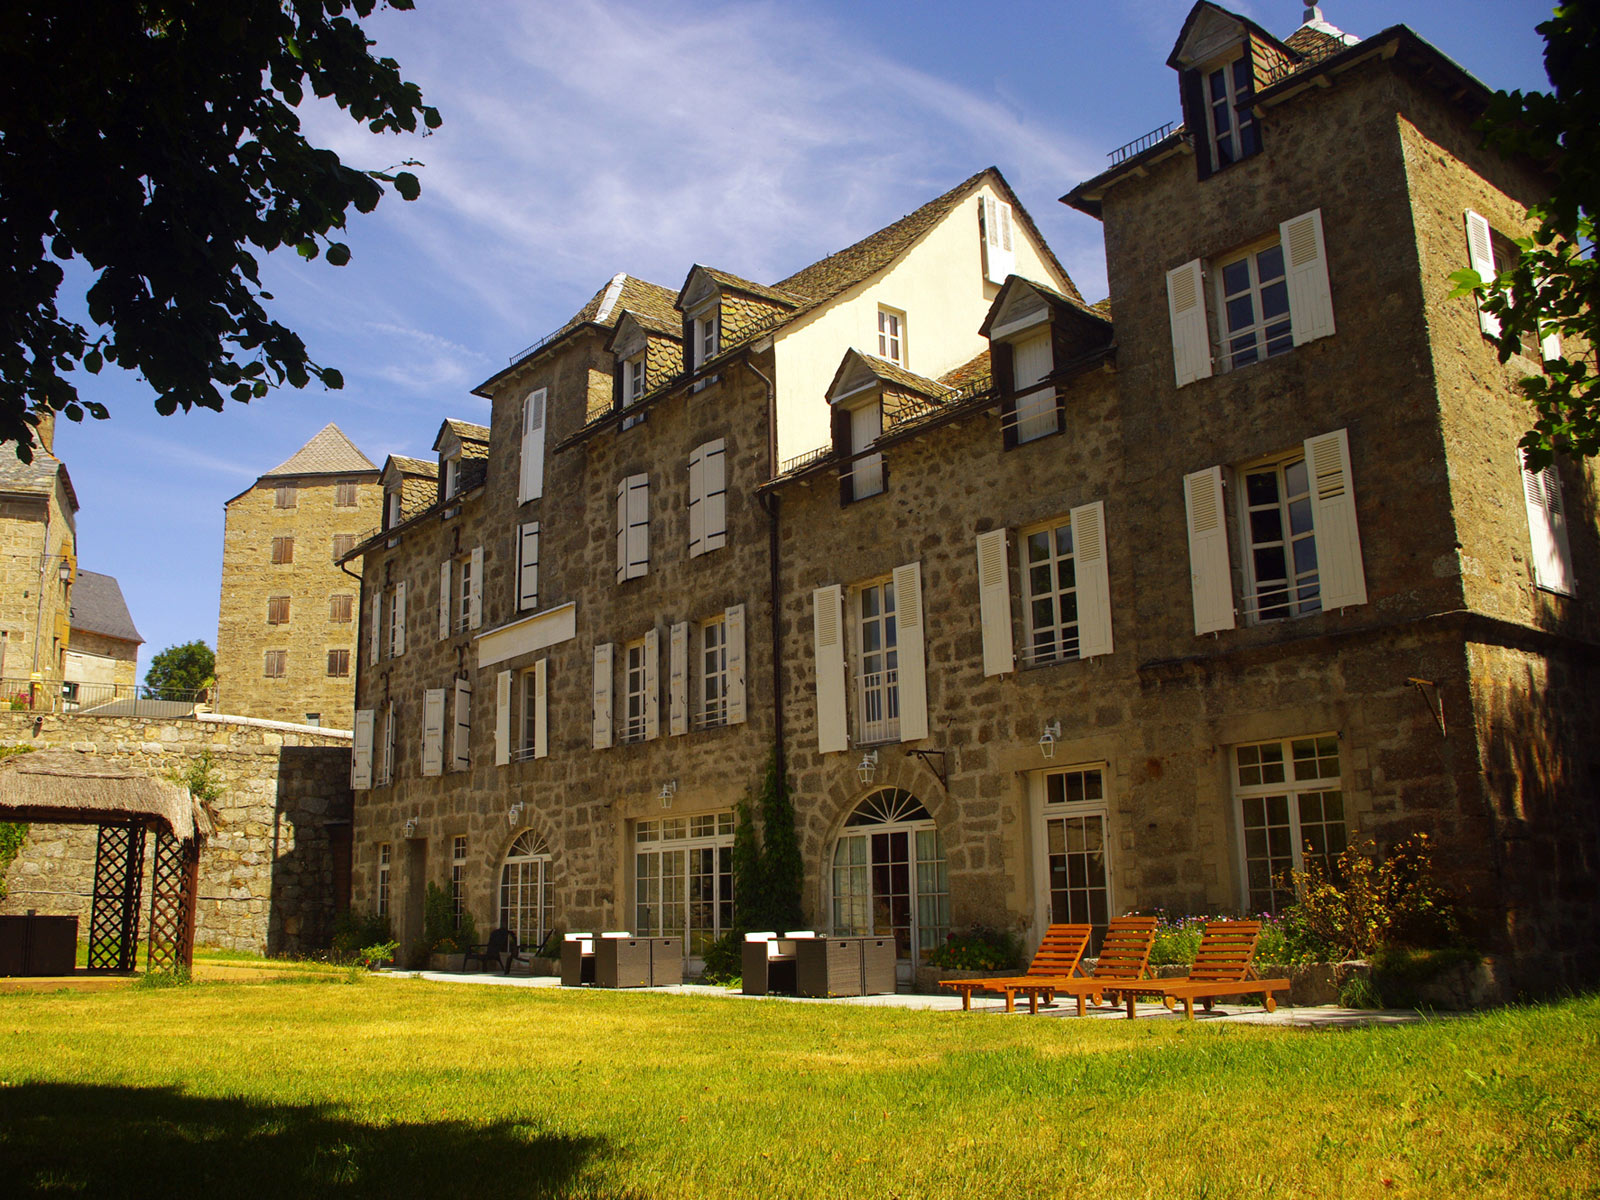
column 267, row 873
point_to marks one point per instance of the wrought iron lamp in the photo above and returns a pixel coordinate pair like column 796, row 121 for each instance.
column 1049, row 738
column 868, row 766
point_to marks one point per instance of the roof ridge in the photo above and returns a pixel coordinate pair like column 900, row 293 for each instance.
column 328, row 452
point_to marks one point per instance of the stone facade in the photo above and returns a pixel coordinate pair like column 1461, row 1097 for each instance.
column 1442, row 688
column 276, row 866
column 286, row 630
column 38, row 513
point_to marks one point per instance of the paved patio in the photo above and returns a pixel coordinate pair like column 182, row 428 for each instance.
column 1309, row 1018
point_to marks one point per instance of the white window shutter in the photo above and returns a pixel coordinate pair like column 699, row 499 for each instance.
column 994, row 603
column 733, row 632
column 652, row 684
column 1480, row 257
column 530, row 484
column 361, row 756
column 541, row 709
column 1210, row 576
column 697, row 502
column 633, row 527
column 999, row 252
column 399, row 618
column 1094, row 579
column 375, row 637
column 528, row 566
column 475, row 600
column 1305, row 268
column 716, row 495
column 622, row 530
column 602, row 696
column 462, row 744
column 827, row 618
column 1333, row 518
column 678, row 679
column 913, row 679
column 1186, row 308
column 444, row 599
column 1547, row 527
column 433, row 731
column 502, row 718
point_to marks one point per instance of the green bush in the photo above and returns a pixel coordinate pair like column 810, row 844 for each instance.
column 1178, row 940
column 1364, row 903
column 724, row 959
column 979, row 949
column 352, row 931
column 441, row 932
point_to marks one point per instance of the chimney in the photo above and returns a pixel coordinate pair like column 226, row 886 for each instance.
column 44, row 431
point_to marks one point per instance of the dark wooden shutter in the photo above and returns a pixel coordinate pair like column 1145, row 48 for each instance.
column 1005, row 383
column 1197, row 117
column 842, row 451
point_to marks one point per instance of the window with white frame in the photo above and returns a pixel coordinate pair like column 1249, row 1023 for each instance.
column 1074, row 855
column 1490, row 253
column 878, row 663
column 1066, row 591
column 1229, row 93
column 1051, row 604
column 711, row 694
column 382, row 899
column 397, row 620
column 462, row 569
column 865, row 470
column 1032, row 360
column 1266, row 298
column 891, row 336
column 706, row 338
column 1547, row 528
column 527, row 890
column 393, row 509
column 386, row 745
column 683, row 879
column 1290, row 806
column 889, row 875
column 458, row 878
column 635, row 691
column 452, row 476
column 633, row 378
column 1299, row 544
column 528, row 694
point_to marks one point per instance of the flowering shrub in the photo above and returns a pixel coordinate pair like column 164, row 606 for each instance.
column 1178, row 939
column 979, row 949
column 1363, row 904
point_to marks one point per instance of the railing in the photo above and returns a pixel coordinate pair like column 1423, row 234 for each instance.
column 1122, row 153
column 804, row 460
column 94, row 699
column 1284, row 68
column 879, row 694
column 713, row 716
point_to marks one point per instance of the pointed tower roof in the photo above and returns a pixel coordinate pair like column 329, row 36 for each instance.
column 329, row 453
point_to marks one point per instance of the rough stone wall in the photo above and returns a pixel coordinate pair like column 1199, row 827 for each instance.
column 266, row 872
column 250, row 579
column 581, row 800
column 125, row 655
column 31, row 525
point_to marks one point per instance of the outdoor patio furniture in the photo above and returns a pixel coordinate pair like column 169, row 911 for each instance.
column 35, row 945
column 577, row 959
column 1056, row 959
column 629, row 962
column 1222, row 967
column 767, row 965
column 1124, row 957
column 502, row 950
column 804, row 963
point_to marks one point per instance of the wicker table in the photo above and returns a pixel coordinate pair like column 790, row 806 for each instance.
column 818, row 966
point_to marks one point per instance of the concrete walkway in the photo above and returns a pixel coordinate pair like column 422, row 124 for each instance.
column 1306, row 1018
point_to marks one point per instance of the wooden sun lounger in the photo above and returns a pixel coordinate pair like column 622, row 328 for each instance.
column 1222, row 967
column 1056, row 961
column 1124, row 958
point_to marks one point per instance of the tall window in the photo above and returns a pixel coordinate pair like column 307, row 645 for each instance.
column 383, row 880
column 341, row 608
column 1052, row 599
column 527, row 894
column 386, row 740
column 683, row 879
column 282, row 550
column 878, row 677
column 706, row 342
column 1283, row 547
column 1291, row 812
column 712, row 709
column 458, row 879
column 889, row 876
column 635, row 693
column 463, row 578
column 277, row 664
column 277, row 610
column 1076, row 845
column 528, row 716
column 1229, row 89
column 286, row 496
column 633, row 377
column 344, row 494
column 394, row 509
column 452, row 476
column 1253, row 296
column 1032, row 360
column 866, row 473
column 338, row 663
column 890, row 336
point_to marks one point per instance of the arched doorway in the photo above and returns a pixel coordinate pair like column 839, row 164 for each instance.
column 889, row 876
column 527, row 892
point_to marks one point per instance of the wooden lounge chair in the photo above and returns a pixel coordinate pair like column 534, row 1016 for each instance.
column 1056, row 960
column 1222, row 967
column 1124, row 958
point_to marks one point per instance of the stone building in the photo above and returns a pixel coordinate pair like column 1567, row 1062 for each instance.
column 286, row 633
column 103, row 662
column 38, row 559
column 1046, row 618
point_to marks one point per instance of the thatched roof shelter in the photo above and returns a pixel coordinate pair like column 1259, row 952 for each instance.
column 66, row 787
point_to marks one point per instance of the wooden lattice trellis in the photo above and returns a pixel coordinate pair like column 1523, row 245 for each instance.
column 174, row 877
column 114, row 911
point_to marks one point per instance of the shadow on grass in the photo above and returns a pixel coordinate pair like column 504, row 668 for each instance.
column 67, row 1139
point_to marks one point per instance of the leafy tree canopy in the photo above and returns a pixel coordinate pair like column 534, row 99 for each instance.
column 158, row 141
column 178, row 672
column 1554, row 287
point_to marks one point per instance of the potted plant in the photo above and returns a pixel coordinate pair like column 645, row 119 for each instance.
column 447, row 940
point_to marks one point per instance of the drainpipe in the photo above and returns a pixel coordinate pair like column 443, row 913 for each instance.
column 769, row 502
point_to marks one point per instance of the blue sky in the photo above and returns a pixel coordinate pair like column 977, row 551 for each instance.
column 584, row 138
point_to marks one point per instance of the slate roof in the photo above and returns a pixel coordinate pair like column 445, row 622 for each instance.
column 328, row 453
column 637, row 296
column 900, row 378
column 37, row 476
column 727, row 279
column 465, row 431
column 407, row 465
column 970, row 376
column 98, row 607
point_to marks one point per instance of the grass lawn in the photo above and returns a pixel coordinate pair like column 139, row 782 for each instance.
column 327, row 1084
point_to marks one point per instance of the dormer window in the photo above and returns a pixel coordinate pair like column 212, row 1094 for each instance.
column 1229, row 90
column 706, row 342
column 891, row 336
column 857, row 429
column 633, row 379
column 394, row 510
column 452, row 476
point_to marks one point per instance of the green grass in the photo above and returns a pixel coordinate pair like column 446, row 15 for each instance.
column 322, row 1085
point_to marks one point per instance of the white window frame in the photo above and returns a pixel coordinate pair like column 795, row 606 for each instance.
column 1034, row 411
column 385, row 774
column 1252, row 779
column 381, row 902
column 635, row 692
column 1242, row 138
column 892, row 335
column 1261, row 337
column 530, row 702
column 392, row 508
column 877, row 691
column 458, row 878
column 1064, row 634
column 634, row 383
column 452, row 476
column 660, row 894
column 866, row 471
column 707, row 333
column 397, row 620
column 711, row 678
column 1300, row 593
column 1051, row 794
column 526, row 872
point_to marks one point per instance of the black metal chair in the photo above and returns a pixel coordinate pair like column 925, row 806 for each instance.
column 501, row 949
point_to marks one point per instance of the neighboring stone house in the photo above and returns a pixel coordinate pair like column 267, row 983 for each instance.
column 103, row 662
column 1047, row 619
column 286, row 633
column 38, row 560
